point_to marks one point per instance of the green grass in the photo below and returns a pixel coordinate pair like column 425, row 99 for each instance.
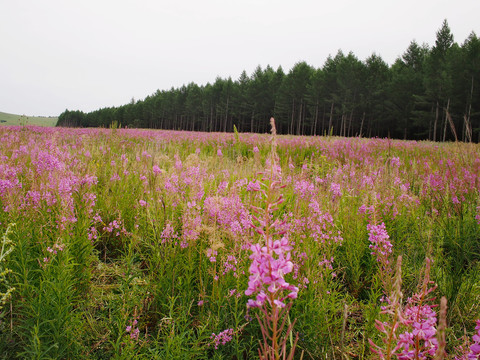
column 22, row 120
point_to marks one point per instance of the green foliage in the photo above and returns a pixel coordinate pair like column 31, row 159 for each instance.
column 5, row 250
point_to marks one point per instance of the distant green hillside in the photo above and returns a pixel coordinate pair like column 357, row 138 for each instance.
column 11, row 119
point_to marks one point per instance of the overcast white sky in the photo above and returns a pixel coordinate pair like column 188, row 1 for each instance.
column 89, row 54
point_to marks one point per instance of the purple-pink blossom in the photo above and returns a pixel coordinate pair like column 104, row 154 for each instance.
column 222, row 338
column 422, row 321
column 380, row 243
column 270, row 264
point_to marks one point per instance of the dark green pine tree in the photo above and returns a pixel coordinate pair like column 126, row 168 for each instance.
column 373, row 98
column 437, row 80
column 407, row 105
column 332, row 90
column 316, row 99
column 292, row 99
column 350, row 80
column 471, row 85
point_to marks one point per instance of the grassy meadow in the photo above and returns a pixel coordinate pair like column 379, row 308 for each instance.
column 136, row 244
column 22, row 120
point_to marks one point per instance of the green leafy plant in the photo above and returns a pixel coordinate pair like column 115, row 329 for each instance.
column 5, row 289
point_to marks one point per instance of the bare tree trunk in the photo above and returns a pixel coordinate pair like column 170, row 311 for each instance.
column 290, row 131
column 330, row 130
column 226, row 116
column 323, row 120
column 452, row 126
column 304, row 116
column 342, row 125
column 435, row 124
column 468, row 129
column 299, row 125
column 351, row 115
column 350, row 124
column 361, row 124
column 211, row 118
column 251, row 121
column 446, row 119
column 316, row 120
column 466, row 118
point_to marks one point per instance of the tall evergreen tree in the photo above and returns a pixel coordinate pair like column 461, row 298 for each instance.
column 438, row 79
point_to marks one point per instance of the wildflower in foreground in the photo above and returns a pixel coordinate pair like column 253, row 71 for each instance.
column 475, row 347
column 472, row 351
column 271, row 261
column 421, row 340
column 269, row 266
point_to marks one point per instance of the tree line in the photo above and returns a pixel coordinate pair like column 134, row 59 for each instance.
column 428, row 93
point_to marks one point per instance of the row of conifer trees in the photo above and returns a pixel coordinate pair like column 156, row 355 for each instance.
column 430, row 92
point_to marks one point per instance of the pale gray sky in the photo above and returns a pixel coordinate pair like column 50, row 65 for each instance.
column 89, row 54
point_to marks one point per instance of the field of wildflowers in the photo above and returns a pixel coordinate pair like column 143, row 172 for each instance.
column 121, row 244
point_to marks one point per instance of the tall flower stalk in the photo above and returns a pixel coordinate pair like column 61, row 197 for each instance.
column 417, row 319
column 271, row 261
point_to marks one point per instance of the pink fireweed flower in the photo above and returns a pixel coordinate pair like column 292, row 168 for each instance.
column 304, row 189
column 395, row 161
column 115, row 177
column 336, row 190
column 168, row 233
column 92, row 234
column 254, row 186
column 133, row 330
column 222, row 338
column 474, row 348
column 380, row 243
column 230, row 264
column 178, row 163
column 269, row 266
column 423, row 321
column 212, row 255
